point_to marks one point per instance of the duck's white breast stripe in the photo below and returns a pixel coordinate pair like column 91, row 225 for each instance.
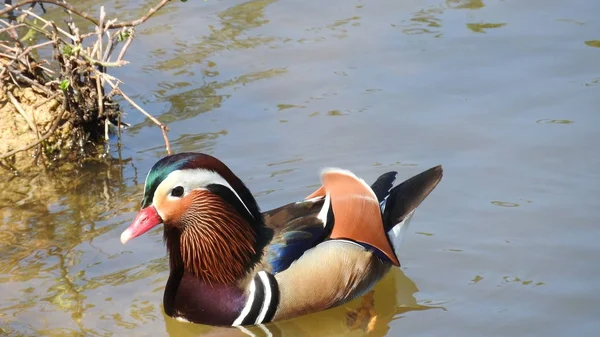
column 262, row 301
column 248, row 305
column 268, row 295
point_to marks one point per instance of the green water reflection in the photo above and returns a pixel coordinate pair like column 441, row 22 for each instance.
column 49, row 221
column 234, row 21
column 465, row 4
column 482, row 27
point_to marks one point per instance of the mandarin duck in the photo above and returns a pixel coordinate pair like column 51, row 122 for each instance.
column 233, row 265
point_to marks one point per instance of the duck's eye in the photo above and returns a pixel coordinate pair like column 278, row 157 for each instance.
column 177, row 191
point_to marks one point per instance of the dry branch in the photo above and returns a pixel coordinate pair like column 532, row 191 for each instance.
column 75, row 75
column 164, row 129
column 88, row 17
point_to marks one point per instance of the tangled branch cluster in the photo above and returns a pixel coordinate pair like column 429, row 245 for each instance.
column 75, row 73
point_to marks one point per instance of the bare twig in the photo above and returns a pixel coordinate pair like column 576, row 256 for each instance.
column 71, row 24
column 109, row 47
column 39, row 104
column 12, row 77
column 144, row 18
column 22, row 112
column 2, row 85
column 12, row 31
column 125, row 46
column 106, row 138
column 95, row 62
column 49, row 71
column 9, row 48
column 17, row 75
column 46, row 22
column 100, row 30
column 100, row 96
column 88, row 17
column 39, row 45
column 163, row 127
column 12, row 27
column 22, row 55
column 53, row 2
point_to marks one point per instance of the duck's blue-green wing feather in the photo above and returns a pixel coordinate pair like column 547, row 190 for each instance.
column 297, row 229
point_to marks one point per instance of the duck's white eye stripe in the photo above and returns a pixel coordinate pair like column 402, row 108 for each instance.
column 193, row 179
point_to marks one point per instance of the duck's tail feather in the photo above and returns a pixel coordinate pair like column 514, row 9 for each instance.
column 400, row 205
column 383, row 185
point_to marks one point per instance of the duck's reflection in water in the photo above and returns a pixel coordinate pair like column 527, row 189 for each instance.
column 371, row 313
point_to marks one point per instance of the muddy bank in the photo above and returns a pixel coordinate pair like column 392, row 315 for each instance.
column 20, row 129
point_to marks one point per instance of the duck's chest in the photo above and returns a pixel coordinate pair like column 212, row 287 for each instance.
column 192, row 300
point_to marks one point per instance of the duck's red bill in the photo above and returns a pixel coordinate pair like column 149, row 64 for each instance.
column 145, row 220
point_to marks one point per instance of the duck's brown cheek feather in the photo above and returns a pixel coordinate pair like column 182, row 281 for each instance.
column 145, row 220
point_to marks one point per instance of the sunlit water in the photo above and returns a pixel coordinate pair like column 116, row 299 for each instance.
column 504, row 94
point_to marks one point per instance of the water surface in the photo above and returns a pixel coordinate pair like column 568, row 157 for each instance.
column 504, row 94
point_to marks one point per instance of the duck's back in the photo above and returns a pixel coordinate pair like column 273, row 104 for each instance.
column 337, row 244
column 300, row 226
